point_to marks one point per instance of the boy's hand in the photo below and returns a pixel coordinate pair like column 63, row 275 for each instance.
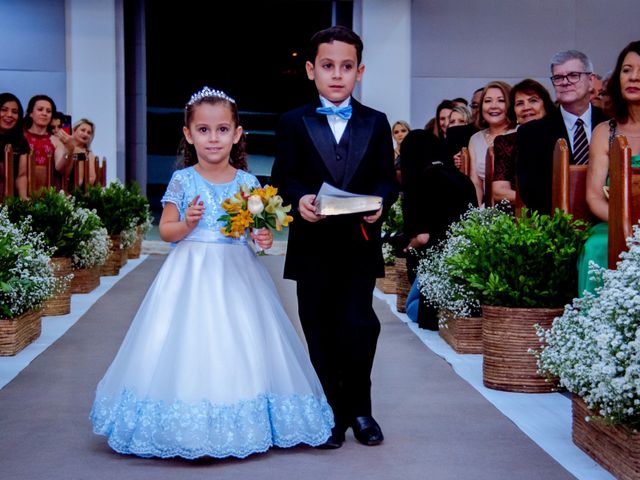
column 307, row 208
column 373, row 218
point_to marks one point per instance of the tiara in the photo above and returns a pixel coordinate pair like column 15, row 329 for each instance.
column 207, row 92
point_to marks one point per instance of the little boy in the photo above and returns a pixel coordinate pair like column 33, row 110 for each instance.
column 336, row 259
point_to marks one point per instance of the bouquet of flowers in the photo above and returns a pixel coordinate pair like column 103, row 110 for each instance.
column 260, row 207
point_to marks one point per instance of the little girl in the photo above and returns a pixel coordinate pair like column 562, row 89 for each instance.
column 211, row 365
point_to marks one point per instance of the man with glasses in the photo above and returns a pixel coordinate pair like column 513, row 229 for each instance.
column 572, row 79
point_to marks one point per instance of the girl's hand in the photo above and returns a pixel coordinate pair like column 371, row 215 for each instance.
column 263, row 238
column 194, row 212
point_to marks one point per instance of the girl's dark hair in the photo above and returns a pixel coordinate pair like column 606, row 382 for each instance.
column 332, row 34
column 10, row 97
column 619, row 109
column 529, row 87
column 187, row 153
column 28, row 121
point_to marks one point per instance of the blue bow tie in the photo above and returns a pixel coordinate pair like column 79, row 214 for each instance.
column 342, row 112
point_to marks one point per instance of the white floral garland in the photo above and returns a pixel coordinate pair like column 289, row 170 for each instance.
column 594, row 347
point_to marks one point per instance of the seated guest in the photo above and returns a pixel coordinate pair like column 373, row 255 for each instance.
column 529, row 100
column 493, row 121
column 81, row 138
column 11, row 116
column 624, row 91
column 460, row 115
column 443, row 110
column 47, row 148
column 571, row 76
column 474, row 106
column 399, row 130
column 435, row 195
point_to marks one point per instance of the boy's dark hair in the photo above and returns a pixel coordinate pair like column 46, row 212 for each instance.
column 332, row 34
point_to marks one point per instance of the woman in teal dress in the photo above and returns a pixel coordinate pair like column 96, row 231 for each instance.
column 624, row 91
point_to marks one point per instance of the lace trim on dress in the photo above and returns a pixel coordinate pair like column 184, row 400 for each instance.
column 151, row 428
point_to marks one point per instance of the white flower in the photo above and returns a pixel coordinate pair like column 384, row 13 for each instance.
column 255, row 205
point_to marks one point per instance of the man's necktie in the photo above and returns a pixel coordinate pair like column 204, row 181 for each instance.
column 580, row 144
column 342, row 112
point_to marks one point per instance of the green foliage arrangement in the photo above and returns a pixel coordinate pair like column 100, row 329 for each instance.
column 70, row 230
column 392, row 227
column 26, row 275
column 527, row 261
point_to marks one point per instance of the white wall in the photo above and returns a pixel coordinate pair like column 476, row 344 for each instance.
column 458, row 46
column 385, row 28
column 32, row 57
column 92, row 73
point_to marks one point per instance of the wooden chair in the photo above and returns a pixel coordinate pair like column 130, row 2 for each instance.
column 488, row 178
column 7, row 173
column 101, row 172
column 38, row 176
column 624, row 197
column 569, row 184
column 465, row 167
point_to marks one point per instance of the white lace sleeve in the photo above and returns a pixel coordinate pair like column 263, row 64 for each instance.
column 175, row 191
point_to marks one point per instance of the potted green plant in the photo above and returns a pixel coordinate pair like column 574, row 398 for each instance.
column 391, row 232
column 54, row 215
column 141, row 221
column 460, row 320
column 112, row 204
column 594, row 350
column 26, row 281
column 522, row 270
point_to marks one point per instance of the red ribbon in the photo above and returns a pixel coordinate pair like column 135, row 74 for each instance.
column 364, row 232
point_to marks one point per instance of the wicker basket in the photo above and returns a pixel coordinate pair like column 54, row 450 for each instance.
column 388, row 283
column 59, row 303
column 134, row 250
column 111, row 265
column 402, row 284
column 464, row 335
column 507, row 336
column 85, row 280
column 16, row 333
column 615, row 447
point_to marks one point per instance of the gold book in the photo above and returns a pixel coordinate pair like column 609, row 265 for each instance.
column 333, row 201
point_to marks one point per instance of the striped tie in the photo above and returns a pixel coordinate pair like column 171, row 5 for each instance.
column 580, row 144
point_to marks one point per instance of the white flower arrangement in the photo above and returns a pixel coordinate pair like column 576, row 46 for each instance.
column 26, row 275
column 92, row 250
column 594, row 347
column 434, row 275
column 388, row 253
column 129, row 235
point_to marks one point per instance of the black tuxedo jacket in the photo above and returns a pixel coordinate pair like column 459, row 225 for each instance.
column 304, row 158
column 536, row 142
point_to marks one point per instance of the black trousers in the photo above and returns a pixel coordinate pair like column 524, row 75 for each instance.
column 341, row 329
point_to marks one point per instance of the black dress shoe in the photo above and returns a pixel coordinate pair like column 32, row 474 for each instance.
column 334, row 441
column 367, row 431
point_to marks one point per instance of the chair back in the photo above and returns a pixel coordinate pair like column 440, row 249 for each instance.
column 488, row 178
column 624, row 197
column 465, row 166
column 38, row 176
column 7, row 173
column 101, row 172
column 81, row 173
column 569, row 184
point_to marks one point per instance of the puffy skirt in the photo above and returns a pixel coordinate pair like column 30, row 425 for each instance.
column 211, row 365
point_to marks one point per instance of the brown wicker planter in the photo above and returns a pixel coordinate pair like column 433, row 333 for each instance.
column 111, row 265
column 85, row 280
column 464, row 335
column 507, row 336
column 59, row 303
column 134, row 250
column 16, row 333
column 615, row 447
column 402, row 284
column 388, row 283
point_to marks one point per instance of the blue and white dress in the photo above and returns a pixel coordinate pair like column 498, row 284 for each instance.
column 211, row 365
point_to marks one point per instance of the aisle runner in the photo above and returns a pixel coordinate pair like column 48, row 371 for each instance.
column 55, row 326
column 545, row 418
